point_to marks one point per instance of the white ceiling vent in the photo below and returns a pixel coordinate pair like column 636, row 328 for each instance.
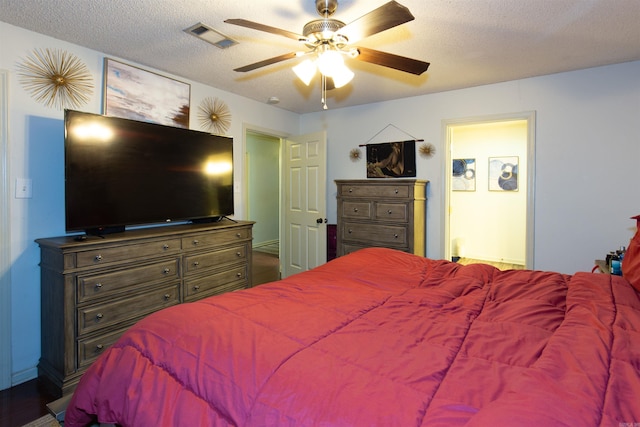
column 210, row 35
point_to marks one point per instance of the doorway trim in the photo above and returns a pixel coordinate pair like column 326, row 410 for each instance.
column 244, row 190
column 447, row 125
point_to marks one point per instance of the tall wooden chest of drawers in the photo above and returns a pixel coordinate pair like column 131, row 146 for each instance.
column 385, row 212
column 93, row 290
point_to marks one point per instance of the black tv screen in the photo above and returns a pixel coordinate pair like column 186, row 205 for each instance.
column 121, row 172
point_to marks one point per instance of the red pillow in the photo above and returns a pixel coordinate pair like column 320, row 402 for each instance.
column 631, row 261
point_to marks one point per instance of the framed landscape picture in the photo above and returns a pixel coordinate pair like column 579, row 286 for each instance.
column 137, row 94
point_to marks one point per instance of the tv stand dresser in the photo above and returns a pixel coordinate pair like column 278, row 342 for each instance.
column 93, row 290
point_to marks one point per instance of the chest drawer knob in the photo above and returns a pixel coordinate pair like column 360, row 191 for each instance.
column 238, row 235
column 239, row 274
column 98, row 286
column 239, row 253
column 196, row 263
column 350, row 231
column 196, row 288
column 165, row 246
column 167, row 297
column 396, row 191
column 99, row 348
column 166, row 271
column 98, row 258
column 395, row 236
column 99, row 316
column 195, row 242
column 389, row 212
column 355, row 209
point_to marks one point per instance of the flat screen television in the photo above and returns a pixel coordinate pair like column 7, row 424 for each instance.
column 121, row 172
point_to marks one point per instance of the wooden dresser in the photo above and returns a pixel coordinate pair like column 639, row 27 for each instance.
column 383, row 212
column 93, row 290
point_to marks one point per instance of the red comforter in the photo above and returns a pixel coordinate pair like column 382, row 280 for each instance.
column 381, row 338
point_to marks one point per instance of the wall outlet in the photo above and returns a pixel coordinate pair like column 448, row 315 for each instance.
column 23, row 188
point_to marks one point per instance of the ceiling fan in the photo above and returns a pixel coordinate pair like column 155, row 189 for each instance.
column 329, row 40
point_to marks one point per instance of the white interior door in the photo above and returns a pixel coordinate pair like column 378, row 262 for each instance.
column 304, row 244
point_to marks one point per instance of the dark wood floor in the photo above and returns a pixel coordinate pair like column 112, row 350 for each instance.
column 26, row 402
column 23, row 403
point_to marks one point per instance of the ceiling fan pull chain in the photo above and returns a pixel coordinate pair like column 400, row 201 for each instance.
column 324, row 91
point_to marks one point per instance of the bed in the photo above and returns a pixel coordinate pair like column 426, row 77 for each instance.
column 381, row 338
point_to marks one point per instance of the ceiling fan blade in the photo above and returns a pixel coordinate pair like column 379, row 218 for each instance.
column 265, row 28
column 266, row 62
column 390, row 60
column 386, row 16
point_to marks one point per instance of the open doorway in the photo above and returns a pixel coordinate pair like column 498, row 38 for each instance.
column 489, row 190
column 263, row 187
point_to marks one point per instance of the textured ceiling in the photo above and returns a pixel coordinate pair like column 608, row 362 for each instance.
column 467, row 42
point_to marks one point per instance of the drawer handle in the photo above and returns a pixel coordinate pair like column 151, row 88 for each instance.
column 98, row 286
column 238, row 235
column 389, row 212
column 395, row 236
column 355, row 209
column 165, row 246
column 396, row 191
column 350, row 231
column 196, row 288
column 351, row 190
column 98, row 258
column 239, row 253
column 196, row 263
column 99, row 348
column 167, row 297
column 196, row 241
column 99, row 316
column 239, row 274
column 166, row 271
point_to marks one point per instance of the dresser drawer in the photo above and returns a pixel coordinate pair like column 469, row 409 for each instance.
column 127, row 252
column 388, row 235
column 209, row 260
column 96, row 286
column 95, row 317
column 234, row 278
column 356, row 210
column 397, row 212
column 215, row 239
column 375, row 191
column 90, row 348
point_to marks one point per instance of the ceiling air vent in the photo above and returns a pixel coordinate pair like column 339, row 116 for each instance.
column 210, row 35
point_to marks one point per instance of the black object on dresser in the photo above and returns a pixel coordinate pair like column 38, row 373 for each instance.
column 93, row 290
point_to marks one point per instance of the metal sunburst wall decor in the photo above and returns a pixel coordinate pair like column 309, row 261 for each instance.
column 56, row 78
column 214, row 115
column 427, row 150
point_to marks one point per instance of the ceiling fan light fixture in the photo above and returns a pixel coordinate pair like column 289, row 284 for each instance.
column 305, row 71
column 330, row 61
column 341, row 76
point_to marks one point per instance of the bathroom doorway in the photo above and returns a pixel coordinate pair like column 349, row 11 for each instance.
column 490, row 190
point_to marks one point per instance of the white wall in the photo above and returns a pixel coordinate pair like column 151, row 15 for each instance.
column 587, row 148
column 36, row 152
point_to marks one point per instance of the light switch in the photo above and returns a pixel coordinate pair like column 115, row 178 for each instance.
column 23, row 188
